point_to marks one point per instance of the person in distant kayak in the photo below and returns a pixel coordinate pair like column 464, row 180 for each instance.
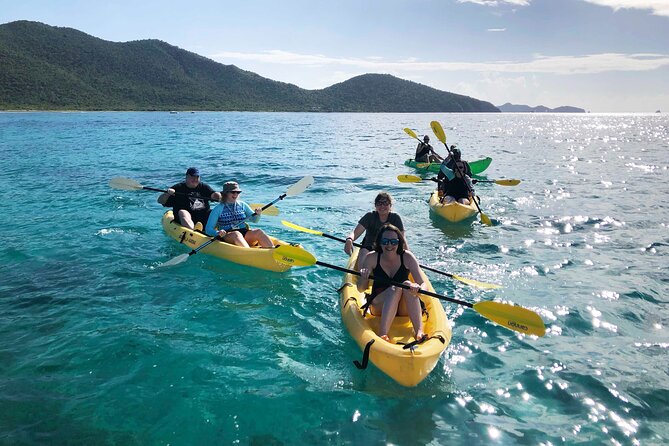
column 425, row 152
column 190, row 199
column 370, row 224
column 455, row 182
column 390, row 261
column 227, row 220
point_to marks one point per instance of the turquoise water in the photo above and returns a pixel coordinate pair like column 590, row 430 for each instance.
column 99, row 346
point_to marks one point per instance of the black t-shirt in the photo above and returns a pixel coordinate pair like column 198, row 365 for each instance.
column 371, row 222
column 422, row 151
column 194, row 200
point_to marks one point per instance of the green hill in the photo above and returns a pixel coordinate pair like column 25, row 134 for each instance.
column 51, row 68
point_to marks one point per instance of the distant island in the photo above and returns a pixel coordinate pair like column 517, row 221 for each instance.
column 512, row 108
column 52, row 68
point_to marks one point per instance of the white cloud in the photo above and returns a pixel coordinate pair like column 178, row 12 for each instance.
column 496, row 30
column 657, row 7
column 562, row 65
column 497, row 2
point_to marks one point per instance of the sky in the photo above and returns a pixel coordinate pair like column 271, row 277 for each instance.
column 599, row 55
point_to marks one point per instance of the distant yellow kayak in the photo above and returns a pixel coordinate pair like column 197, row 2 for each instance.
column 256, row 257
column 454, row 212
column 406, row 366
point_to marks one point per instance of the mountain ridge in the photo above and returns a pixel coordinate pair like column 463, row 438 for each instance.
column 54, row 68
column 517, row 108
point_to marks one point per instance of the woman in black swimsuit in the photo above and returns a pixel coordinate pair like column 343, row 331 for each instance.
column 391, row 262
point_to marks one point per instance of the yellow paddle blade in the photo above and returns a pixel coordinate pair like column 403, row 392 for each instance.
column 507, row 182
column 410, row 132
column 124, row 184
column 293, row 255
column 485, row 219
column 438, row 131
column 512, row 317
column 477, row 284
column 409, row 179
column 271, row 211
column 300, row 228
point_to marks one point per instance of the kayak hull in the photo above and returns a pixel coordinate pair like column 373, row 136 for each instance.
column 405, row 366
column 477, row 166
column 453, row 212
column 255, row 257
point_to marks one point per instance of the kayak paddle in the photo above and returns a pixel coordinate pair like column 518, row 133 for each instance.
column 411, row 133
column 417, row 179
column 470, row 282
column 293, row 190
column 513, row 317
column 130, row 184
column 439, row 132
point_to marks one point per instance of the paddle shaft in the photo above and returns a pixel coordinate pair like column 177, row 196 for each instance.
column 332, row 237
column 401, row 285
column 413, row 135
column 415, row 179
column 176, row 193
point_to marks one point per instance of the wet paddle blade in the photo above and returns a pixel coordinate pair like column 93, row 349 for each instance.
column 300, row 186
column 476, row 283
column 294, row 256
column 512, row 317
column 410, row 132
column 438, row 131
column 409, row 179
column 485, row 219
column 175, row 261
column 124, row 184
column 300, row 228
column 507, row 182
column 271, row 211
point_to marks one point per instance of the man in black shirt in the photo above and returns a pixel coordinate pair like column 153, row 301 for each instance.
column 425, row 152
column 190, row 199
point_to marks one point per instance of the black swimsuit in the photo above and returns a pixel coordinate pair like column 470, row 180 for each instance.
column 381, row 279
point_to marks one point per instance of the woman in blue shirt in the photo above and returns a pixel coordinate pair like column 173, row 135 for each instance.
column 227, row 220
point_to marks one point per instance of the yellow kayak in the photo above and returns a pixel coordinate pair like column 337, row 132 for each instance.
column 454, row 212
column 255, row 257
column 406, row 366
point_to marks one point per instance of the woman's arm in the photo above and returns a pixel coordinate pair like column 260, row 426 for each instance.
column 357, row 231
column 412, row 265
column 367, row 267
column 212, row 221
column 250, row 213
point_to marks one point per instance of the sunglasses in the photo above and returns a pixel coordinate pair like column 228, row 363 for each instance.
column 392, row 241
column 383, row 203
column 236, row 192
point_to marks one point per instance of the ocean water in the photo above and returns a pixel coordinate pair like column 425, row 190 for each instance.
column 99, row 346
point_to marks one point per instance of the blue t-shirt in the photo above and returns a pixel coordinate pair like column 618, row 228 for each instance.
column 228, row 216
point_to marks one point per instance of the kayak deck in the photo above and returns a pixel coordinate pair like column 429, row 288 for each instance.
column 453, row 212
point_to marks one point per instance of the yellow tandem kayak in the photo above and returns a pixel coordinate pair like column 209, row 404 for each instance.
column 407, row 366
column 454, row 212
column 255, row 257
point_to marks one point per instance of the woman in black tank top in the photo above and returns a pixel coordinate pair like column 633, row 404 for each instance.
column 390, row 262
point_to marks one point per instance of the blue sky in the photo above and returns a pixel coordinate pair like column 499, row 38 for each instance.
column 600, row 55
